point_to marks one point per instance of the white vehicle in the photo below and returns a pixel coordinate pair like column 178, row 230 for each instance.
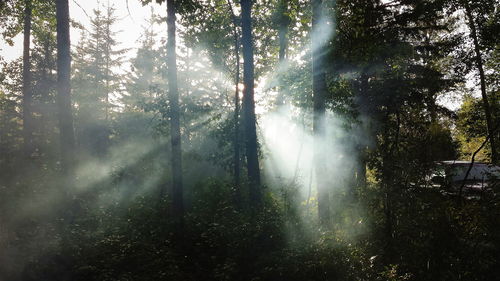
column 452, row 175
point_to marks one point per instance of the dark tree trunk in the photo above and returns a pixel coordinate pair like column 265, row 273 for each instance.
column 361, row 170
column 389, row 182
column 482, row 78
column 319, row 94
column 63, row 88
column 107, row 57
column 236, row 118
column 283, row 39
column 43, row 89
column 27, row 87
column 249, row 103
column 106, row 113
column 175, row 130
column 362, row 102
column 283, row 43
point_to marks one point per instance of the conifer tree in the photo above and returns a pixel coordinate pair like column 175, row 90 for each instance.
column 95, row 80
column 145, row 77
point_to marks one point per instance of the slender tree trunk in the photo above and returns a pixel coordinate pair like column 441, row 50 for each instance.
column 319, row 94
column 283, row 44
column 361, row 168
column 175, row 131
column 106, row 116
column 27, row 87
column 249, row 103
column 389, row 155
column 107, row 55
column 46, row 108
column 283, row 37
column 479, row 64
column 236, row 118
column 104, row 142
column 361, row 149
column 67, row 135
column 237, row 121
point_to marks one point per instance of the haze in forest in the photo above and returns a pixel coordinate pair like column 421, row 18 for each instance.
column 249, row 140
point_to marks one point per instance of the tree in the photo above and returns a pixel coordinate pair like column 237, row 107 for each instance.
column 175, row 130
column 219, row 30
column 471, row 125
column 319, row 104
column 67, row 137
column 249, row 119
column 236, row 118
column 27, row 87
column 145, row 76
column 282, row 22
column 94, row 80
column 44, row 79
column 112, row 57
column 37, row 20
column 482, row 78
column 10, row 133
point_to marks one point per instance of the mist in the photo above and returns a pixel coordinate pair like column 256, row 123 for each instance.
column 247, row 140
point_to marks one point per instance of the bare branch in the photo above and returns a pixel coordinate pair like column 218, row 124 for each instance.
column 85, row 12
column 490, row 135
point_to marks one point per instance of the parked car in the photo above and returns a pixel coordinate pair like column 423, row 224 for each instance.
column 451, row 175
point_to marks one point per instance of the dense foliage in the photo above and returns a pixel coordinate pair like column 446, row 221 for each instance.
column 387, row 70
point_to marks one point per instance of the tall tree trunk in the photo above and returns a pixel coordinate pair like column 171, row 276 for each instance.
column 479, row 64
column 283, row 33
column 104, row 142
column 46, row 109
column 236, row 118
column 363, row 101
column 106, row 115
column 67, row 135
column 249, row 103
column 107, row 57
column 319, row 94
column 283, row 43
column 44, row 100
column 27, row 87
column 175, row 131
column 389, row 176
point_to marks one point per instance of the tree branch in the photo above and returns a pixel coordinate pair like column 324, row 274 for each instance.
column 490, row 135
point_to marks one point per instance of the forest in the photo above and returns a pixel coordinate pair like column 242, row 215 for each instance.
column 250, row 140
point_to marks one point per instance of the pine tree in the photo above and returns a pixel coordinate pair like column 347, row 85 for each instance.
column 96, row 81
column 145, row 79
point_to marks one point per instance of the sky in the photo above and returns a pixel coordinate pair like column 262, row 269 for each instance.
column 130, row 24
